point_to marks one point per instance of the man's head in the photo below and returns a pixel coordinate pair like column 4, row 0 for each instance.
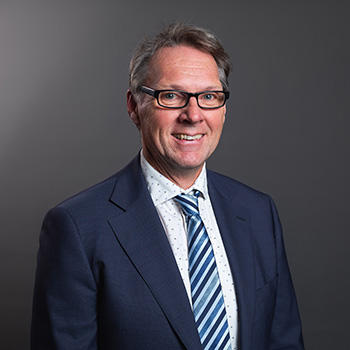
column 177, row 34
column 179, row 131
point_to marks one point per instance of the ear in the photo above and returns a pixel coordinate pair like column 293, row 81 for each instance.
column 132, row 108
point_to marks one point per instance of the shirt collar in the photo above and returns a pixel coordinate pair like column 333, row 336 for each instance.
column 162, row 189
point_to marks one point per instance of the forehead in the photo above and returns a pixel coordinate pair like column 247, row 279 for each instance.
column 183, row 67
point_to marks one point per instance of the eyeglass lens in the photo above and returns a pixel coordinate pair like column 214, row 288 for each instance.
column 209, row 99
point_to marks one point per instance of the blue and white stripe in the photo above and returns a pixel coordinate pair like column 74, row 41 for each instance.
column 207, row 298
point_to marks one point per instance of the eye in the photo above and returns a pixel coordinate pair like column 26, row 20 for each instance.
column 172, row 98
column 208, row 97
column 169, row 96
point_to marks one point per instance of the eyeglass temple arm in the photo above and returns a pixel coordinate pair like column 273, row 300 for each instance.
column 148, row 91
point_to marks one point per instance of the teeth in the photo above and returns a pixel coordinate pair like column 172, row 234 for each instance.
column 188, row 137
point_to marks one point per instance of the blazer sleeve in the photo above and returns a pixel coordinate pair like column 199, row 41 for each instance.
column 286, row 332
column 65, row 292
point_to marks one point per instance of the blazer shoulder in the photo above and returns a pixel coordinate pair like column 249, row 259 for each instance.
column 102, row 190
column 95, row 194
column 97, row 200
column 230, row 187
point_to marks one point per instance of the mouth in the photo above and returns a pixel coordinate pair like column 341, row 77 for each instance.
column 188, row 137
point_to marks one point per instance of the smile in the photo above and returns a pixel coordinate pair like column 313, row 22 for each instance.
column 188, row 137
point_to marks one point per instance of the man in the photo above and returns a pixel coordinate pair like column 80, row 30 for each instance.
column 166, row 254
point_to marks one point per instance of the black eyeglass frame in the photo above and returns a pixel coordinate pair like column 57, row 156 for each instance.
column 155, row 94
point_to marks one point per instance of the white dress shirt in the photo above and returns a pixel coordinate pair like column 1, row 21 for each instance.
column 162, row 191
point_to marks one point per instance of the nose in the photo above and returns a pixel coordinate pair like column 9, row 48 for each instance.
column 192, row 113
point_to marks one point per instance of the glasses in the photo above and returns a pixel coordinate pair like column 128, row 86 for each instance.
column 180, row 99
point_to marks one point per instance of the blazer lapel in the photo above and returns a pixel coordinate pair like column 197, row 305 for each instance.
column 234, row 224
column 140, row 232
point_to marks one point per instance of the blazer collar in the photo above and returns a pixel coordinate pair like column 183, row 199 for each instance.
column 140, row 232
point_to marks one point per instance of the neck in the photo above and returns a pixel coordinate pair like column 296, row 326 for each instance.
column 183, row 180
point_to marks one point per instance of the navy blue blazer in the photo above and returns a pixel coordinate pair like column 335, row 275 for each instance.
column 107, row 279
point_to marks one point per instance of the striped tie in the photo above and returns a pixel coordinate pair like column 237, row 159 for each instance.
column 207, row 298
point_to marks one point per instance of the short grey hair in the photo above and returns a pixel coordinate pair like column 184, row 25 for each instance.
column 175, row 35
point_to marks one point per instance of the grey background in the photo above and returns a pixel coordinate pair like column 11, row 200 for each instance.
column 64, row 126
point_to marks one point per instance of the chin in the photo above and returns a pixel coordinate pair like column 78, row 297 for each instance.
column 190, row 163
column 193, row 159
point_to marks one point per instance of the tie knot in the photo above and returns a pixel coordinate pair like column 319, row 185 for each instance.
column 189, row 203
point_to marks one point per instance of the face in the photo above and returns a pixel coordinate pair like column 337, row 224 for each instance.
column 177, row 142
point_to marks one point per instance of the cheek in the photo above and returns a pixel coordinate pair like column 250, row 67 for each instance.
column 217, row 124
column 147, row 121
column 151, row 129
